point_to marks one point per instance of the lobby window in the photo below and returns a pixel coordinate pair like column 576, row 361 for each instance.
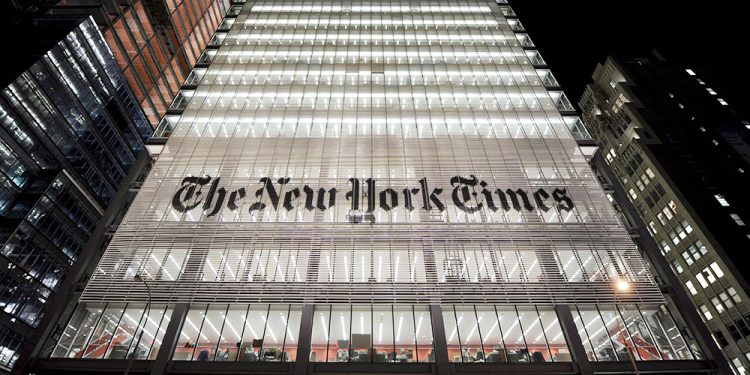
column 605, row 332
column 240, row 332
column 107, row 331
column 737, row 219
column 399, row 333
column 504, row 334
column 706, row 312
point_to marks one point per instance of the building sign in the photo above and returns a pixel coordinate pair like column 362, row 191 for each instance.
column 468, row 194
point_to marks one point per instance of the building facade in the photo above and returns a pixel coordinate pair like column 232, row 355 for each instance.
column 681, row 156
column 70, row 133
column 373, row 187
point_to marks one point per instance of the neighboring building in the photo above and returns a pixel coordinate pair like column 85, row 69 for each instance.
column 681, row 157
column 70, row 133
column 373, row 187
column 155, row 42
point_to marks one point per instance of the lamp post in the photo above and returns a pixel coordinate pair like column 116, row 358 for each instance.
column 623, row 285
column 148, row 312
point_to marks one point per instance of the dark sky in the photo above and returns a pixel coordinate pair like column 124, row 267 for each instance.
column 573, row 36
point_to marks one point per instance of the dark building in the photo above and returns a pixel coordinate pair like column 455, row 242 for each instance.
column 156, row 43
column 71, row 134
column 680, row 155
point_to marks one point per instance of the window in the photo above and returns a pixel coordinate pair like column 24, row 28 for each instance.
column 367, row 333
column 691, row 287
column 677, row 266
column 711, row 91
column 733, row 293
column 706, row 312
column 649, row 173
column 665, row 246
column 737, row 220
column 690, row 72
column 738, row 366
column 702, row 280
column 717, row 305
column 722, row 101
column 688, row 258
column 726, row 300
column 633, row 195
column 721, row 340
column 667, row 212
column 717, row 270
column 688, row 228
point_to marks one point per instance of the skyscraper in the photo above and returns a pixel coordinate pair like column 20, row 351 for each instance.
column 681, row 156
column 357, row 186
column 70, row 134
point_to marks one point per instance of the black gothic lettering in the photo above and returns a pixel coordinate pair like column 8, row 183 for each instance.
column 540, row 196
column 234, row 196
column 407, row 198
column 463, row 184
column 353, row 195
column 428, row 197
column 188, row 195
column 384, row 204
column 561, row 196
column 488, row 196
column 370, row 194
column 290, row 197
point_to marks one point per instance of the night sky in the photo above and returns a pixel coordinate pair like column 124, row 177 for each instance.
column 573, row 36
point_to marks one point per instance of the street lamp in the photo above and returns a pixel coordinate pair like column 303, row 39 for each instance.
column 623, row 285
column 148, row 312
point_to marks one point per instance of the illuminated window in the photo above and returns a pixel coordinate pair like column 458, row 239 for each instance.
column 722, row 200
column 722, row 101
column 691, row 287
column 690, row 71
column 737, row 219
column 711, row 91
column 733, row 293
column 706, row 312
column 717, row 305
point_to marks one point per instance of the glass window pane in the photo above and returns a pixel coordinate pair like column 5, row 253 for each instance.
column 338, row 350
column 405, row 340
column 292, row 322
column 534, row 334
column 208, row 341
column 79, row 328
column 99, row 341
column 597, row 336
column 618, row 333
column 189, row 335
column 667, row 336
column 273, row 342
column 423, row 329
column 512, row 335
column 319, row 345
column 154, row 326
column 492, row 338
column 252, row 336
column 471, row 346
column 451, row 334
column 361, row 340
column 640, row 335
column 383, row 328
column 553, row 332
column 231, row 333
